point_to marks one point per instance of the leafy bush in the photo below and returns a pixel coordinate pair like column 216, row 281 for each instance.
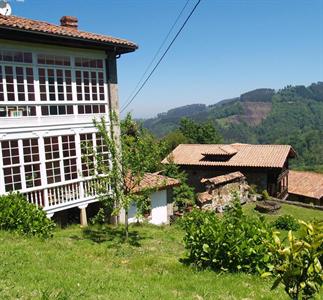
column 265, row 195
column 286, row 222
column 236, row 242
column 100, row 218
column 18, row 215
column 298, row 265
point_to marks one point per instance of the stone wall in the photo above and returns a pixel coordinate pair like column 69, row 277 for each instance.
column 256, row 176
column 218, row 197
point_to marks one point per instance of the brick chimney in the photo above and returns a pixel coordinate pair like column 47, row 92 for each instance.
column 69, row 21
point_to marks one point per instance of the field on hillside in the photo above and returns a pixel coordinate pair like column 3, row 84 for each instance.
column 95, row 264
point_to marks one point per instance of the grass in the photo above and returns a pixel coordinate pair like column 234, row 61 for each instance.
column 96, row 264
column 299, row 213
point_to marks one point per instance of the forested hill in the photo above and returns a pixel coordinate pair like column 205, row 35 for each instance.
column 293, row 115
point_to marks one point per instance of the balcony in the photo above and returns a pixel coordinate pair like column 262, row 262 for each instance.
column 57, row 197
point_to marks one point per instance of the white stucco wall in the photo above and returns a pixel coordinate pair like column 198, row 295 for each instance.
column 158, row 209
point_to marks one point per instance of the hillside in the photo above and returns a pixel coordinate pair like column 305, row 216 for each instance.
column 293, row 115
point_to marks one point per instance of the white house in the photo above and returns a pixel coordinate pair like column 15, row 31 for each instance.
column 54, row 79
column 161, row 202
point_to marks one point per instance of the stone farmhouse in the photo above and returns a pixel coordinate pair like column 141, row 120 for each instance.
column 54, row 80
column 265, row 166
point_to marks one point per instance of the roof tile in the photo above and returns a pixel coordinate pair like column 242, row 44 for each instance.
column 247, row 155
column 48, row 28
column 308, row 184
column 155, row 181
column 223, row 178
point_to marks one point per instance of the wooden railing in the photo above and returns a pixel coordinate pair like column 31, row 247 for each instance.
column 64, row 193
column 36, row 197
column 60, row 194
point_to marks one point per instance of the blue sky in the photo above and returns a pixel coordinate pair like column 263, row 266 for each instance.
column 227, row 48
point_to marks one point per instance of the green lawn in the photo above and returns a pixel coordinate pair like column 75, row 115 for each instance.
column 94, row 264
column 300, row 213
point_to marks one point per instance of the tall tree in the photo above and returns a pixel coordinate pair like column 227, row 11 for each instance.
column 118, row 180
column 199, row 133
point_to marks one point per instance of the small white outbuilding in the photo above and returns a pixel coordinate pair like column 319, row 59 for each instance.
column 161, row 202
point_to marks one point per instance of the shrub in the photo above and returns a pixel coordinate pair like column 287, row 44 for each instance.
column 236, row 242
column 286, row 222
column 100, row 218
column 298, row 265
column 265, row 195
column 18, row 215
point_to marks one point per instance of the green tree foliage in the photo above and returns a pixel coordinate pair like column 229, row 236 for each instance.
column 264, row 95
column 18, row 215
column 134, row 135
column 296, row 118
column 138, row 154
column 173, row 139
column 298, row 265
column 199, row 133
column 236, row 242
column 183, row 194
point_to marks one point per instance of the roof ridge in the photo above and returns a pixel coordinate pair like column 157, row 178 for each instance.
column 60, row 26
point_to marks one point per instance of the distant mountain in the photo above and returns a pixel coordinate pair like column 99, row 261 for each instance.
column 292, row 115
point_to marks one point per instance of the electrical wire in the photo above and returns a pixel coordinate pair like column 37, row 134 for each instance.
column 161, row 58
column 158, row 51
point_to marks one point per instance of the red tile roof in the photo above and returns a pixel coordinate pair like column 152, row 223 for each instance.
column 263, row 156
column 308, row 184
column 221, row 150
column 28, row 25
column 223, row 178
column 156, row 181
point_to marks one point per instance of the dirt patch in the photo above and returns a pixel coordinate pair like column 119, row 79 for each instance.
column 255, row 112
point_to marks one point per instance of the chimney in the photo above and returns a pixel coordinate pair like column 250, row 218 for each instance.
column 69, row 21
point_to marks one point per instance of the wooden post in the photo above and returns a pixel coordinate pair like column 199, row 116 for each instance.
column 83, row 216
column 50, row 215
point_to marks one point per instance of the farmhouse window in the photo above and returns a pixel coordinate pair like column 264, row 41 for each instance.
column 51, row 78
column 18, row 165
column 55, row 60
column 57, row 110
column 15, row 56
column 103, row 154
column 17, row 111
column 91, row 109
column 69, row 154
column 18, row 82
column 52, row 156
column 55, row 84
column 89, row 85
column 61, row 160
column 87, row 151
column 31, row 162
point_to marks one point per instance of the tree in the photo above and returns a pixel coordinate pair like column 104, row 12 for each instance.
column 173, row 139
column 199, row 133
column 119, row 176
column 133, row 135
column 183, row 194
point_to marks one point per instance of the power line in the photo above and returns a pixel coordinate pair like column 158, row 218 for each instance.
column 161, row 58
column 158, row 51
